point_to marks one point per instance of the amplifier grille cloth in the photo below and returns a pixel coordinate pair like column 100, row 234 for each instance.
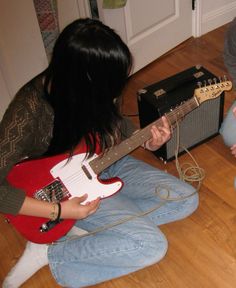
column 196, row 126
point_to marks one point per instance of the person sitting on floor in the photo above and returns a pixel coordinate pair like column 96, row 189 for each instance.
column 77, row 100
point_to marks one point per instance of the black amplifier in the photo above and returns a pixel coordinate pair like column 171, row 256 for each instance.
column 199, row 125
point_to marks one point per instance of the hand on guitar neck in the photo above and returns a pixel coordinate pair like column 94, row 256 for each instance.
column 160, row 135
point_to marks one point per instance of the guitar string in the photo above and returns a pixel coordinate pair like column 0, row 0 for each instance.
column 172, row 115
column 51, row 188
column 64, row 193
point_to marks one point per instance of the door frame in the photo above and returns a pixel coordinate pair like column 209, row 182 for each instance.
column 197, row 18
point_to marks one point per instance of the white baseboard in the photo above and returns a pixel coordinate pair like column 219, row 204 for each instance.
column 218, row 17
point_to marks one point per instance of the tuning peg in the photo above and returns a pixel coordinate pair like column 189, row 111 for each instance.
column 225, row 78
column 210, row 81
column 215, row 80
column 199, row 84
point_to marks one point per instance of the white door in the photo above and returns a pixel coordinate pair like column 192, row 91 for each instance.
column 150, row 27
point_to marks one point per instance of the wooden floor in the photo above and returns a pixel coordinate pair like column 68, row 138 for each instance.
column 202, row 248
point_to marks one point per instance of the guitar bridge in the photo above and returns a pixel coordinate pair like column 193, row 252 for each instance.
column 54, row 192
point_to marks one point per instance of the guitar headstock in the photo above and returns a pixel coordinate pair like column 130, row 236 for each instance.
column 207, row 92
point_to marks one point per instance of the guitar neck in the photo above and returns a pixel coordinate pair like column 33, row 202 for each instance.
column 125, row 147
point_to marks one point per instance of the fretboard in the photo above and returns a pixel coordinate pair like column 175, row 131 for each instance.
column 125, row 147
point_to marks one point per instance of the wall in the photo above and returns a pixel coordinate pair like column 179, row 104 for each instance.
column 215, row 13
column 22, row 54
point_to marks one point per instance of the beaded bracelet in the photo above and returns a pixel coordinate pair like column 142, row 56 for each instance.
column 53, row 215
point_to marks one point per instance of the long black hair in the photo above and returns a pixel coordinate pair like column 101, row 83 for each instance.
column 87, row 73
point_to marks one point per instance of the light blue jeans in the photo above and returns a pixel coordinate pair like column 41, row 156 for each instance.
column 228, row 127
column 127, row 247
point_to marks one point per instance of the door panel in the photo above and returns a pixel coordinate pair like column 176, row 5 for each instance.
column 150, row 28
column 143, row 21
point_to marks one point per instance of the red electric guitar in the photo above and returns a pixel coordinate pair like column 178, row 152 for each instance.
column 54, row 177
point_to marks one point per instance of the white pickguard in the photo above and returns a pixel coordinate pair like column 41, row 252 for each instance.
column 76, row 181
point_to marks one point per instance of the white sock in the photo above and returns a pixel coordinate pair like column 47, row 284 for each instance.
column 34, row 258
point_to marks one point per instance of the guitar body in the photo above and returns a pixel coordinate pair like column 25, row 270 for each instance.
column 56, row 178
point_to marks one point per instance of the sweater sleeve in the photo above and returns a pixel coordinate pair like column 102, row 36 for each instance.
column 16, row 136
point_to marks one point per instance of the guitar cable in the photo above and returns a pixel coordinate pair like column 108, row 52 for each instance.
column 188, row 172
